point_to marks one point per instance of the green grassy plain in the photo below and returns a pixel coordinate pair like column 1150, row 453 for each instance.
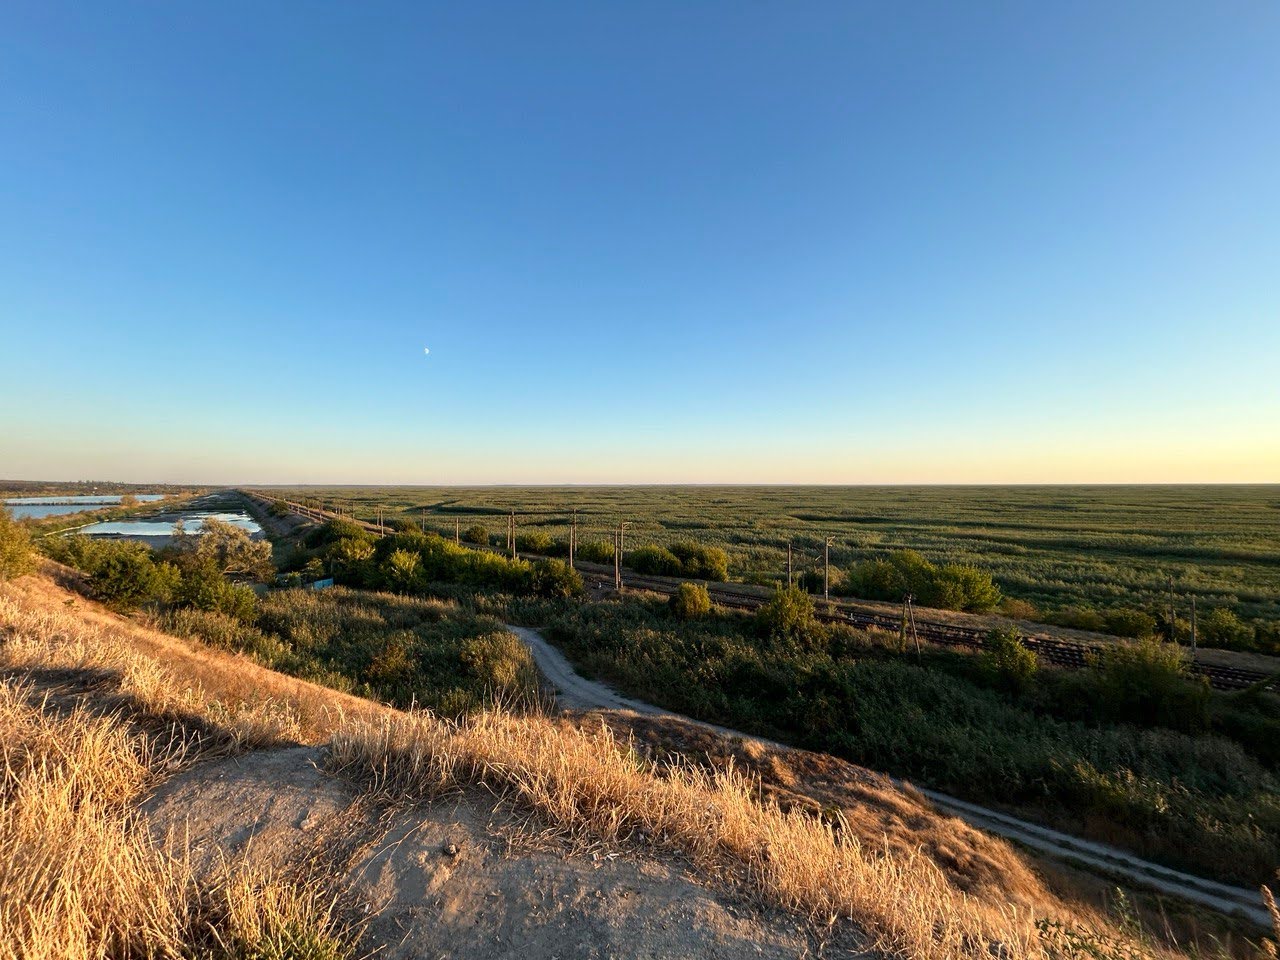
column 1054, row 546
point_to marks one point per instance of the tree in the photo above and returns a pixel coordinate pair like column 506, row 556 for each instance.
column 15, row 547
column 128, row 500
column 227, row 547
column 690, row 601
column 476, row 534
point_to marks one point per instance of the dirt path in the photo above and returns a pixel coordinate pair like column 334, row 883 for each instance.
column 576, row 692
column 453, row 878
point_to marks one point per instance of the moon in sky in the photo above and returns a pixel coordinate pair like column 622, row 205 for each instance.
column 426, row 351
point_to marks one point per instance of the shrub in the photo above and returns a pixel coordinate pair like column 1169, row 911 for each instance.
column 1126, row 622
column 125, row 574
column 400, row 569
column 1010, row 663
column 15, row 547
column 1081, row 618
column 654, row 560
column 348, row 556
column 952, row 587
column 1019, row 609
column 476, row 534
column 535, row 541
column 690, row 601
column 227, row 547
column 963, row 587
column 811, row 580
column 202, row 585
column 596, row 551
column 1222, row 628
column 699, row 562
column 333, row 530
column 1148, row 682
column 789, row 618
column 555, row 579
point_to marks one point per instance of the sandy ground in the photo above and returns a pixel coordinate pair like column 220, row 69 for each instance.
column 454, row 879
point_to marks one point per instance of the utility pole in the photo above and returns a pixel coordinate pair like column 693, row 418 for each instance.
column 788, row 563
column 617, row 559
column 1173, row 624
column 908, row 620
column 512, row 535
column 457, row 531
column 1193, row 626
column 826, row 568
column 573, row 537
column 423, row 522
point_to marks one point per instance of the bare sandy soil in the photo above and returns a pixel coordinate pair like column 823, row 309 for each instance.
column 455, row 879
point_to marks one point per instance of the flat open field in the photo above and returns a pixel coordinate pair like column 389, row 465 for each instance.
column 1054, row 546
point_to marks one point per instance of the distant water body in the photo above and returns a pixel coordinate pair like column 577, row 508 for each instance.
column 36, row 507
column 192, row 521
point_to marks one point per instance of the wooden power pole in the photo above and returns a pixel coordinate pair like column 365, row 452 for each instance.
column 457, row 531
column 511, row 536
column 1173, row 623
column 617, row 558
column 573, row 537
column 1193, row 626
column 788, row 563
column 826, row 568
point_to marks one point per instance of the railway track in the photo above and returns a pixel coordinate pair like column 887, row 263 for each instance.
column 1063, row 653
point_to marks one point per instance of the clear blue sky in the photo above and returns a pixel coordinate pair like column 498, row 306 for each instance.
column 828, row 242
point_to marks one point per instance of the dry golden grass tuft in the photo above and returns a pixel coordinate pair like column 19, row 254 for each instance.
column 87, row 725
column 594, row 788
column 44, row 626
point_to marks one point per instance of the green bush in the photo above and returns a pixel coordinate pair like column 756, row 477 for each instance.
column 555, row 579
column 202, row 585
column 812, row 580
column 1010, row 663
column 596, row 551
column 125, row 574
column 1222, row 628
column 1126, row 622
column 952, row 587
column 535, row 541
column 788, row 618
column 400, row 570
column 15, row 547
column 1080, row 618
column 690, row 601
column 1148, row 682
column 699, row 562
column 334, row 530
column 477, row 534
column 655, row 561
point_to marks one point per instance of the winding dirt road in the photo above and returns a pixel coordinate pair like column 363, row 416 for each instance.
column 576, row 692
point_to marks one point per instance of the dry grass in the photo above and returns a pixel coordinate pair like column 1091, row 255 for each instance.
column 43, row 625
column 594, row 789
column 87, row 725
column 113, row 720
